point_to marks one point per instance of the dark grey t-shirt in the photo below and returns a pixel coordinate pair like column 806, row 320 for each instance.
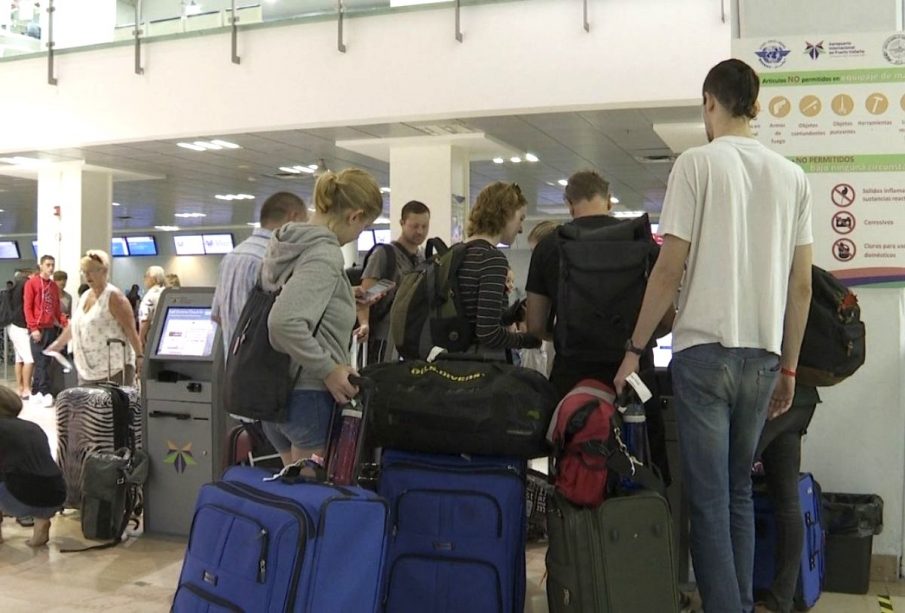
column 26, row 465
column 405, row 263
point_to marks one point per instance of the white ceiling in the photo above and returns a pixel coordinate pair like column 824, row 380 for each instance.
column 614, row 142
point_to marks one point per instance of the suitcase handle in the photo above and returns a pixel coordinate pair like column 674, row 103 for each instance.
column 110, row 343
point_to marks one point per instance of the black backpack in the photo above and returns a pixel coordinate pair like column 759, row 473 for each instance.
column 6, row 307
column 602, row 277
column 258, row 382
column 833, row 347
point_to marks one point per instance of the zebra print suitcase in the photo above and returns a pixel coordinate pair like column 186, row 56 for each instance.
column 86, row 423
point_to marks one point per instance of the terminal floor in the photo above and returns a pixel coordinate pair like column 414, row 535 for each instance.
column 140, row 575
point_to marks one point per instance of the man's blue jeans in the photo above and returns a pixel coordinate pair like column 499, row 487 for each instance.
column 721, row 398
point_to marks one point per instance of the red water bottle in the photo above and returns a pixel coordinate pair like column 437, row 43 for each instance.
column 344, row 448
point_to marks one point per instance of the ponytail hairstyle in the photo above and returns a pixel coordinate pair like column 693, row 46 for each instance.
column 339, row 193
column 735, row 85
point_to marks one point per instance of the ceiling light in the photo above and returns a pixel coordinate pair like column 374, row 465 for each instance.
column 290, row 170
column 245, row 197
column 207, row 145
column 563, row 182
column 20, row 160
column 384, row 190
column 190, row 146
column 530, row 157
column 226, row 144
column 614, row 199
column 2, row 210
column 189, row 215
column 305, row 169
column 627, row 214
column 313, row 166
column 515, row 159
column 498, row 160
column 254, row 224
column 167, row 228
column 115, row 203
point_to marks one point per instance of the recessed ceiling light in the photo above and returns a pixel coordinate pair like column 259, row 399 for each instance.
column 234, row 197
column 2, row 210
column 254, row 224
column 498, row 160
column 563, row 182
column 515, row 159
column 207, row 145
column 245, row 197
column 305, row 169
column 190, row 215
column 614, row 199
column 530, row 157
column 226, row 144
column 167, row 228
column 190, row 146
column 115, row 203
column 290, row 169
column 20, row 160
column 313, row 166
column 384, row 190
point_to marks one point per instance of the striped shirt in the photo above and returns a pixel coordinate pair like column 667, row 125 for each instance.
column 239, row 271
column 482, row 285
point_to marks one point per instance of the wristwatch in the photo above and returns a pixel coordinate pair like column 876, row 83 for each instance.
column 630, row 348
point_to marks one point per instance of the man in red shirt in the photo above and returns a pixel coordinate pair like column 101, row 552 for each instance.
column 43, row 316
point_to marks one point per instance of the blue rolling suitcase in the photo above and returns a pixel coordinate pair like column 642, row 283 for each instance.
column 812, row 568
column 457, row 543
column 285, row 545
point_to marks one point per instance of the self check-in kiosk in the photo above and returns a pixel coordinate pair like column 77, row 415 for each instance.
column 183, row 430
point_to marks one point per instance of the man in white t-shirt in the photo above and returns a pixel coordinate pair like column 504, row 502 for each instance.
column 155, row 282
column 736, row 222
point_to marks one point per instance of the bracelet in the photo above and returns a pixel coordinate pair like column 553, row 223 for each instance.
column 787, row 372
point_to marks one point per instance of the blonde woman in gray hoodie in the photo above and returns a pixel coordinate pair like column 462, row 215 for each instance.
column 313, row 316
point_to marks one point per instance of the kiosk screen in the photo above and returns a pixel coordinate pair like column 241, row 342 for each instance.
column 188, row 332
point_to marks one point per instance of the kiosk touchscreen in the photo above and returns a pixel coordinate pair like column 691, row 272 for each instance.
column 183, row 428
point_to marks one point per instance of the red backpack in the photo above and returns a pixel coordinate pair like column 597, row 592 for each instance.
column 579, row 431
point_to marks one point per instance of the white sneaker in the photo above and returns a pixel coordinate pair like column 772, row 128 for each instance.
column 48, row 401
column 36, row 399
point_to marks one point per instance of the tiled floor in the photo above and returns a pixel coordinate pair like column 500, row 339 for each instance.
column 140, row 575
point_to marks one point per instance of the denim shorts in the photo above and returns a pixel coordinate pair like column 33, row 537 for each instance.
column 12, row 506
column 307, row 421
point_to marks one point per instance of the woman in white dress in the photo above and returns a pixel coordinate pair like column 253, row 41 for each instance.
column 102, row 313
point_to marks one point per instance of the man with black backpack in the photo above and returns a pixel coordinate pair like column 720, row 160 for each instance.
column 13, row 317
column 559, row 298
column 390, row 261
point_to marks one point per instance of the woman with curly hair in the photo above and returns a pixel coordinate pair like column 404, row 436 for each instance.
column 496, row 218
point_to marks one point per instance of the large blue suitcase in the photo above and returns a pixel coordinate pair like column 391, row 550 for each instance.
column 273, row 546
column 812, row 567
column 457, row 542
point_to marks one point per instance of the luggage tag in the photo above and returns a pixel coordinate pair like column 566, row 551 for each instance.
column 644, row 394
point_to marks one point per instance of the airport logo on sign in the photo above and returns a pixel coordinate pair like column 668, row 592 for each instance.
column 894, row 49
column 813, row 49
column 772, row 54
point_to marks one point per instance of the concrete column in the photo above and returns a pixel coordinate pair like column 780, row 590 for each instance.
column 438, row 176
column 74, row 215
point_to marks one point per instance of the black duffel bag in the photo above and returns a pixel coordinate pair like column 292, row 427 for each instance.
column 460, row 406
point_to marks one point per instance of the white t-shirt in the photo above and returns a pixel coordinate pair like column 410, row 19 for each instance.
column 149, row 303
column 744, row 209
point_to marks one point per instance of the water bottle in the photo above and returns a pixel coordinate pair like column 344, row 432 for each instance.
column 634, row 433
column 342, row 460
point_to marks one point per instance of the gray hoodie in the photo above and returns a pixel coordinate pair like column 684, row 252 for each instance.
column 309, row 257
